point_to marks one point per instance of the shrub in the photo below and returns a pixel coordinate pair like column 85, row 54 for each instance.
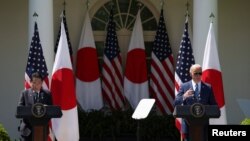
column 246, row 121
column 118, row 124
column 3, row 134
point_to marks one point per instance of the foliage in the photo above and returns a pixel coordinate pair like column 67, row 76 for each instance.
column 246, row 121
column 3, row 134
column 117, row 124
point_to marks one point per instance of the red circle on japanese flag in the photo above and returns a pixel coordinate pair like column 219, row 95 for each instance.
column 63, row 88
column 87, row 64
column 136, row 67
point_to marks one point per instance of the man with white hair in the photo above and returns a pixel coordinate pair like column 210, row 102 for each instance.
column 194, row 91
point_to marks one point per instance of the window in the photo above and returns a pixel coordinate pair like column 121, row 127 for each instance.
column 125, row 12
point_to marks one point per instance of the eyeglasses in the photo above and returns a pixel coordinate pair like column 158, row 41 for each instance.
column 198, row 73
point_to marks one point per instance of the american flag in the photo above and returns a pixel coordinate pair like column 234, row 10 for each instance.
column 67, row 34
column 184, row 61
column 112, row 80
column 36, row 61
column 162, row 70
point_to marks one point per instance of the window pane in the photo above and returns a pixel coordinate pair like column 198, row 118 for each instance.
column 99, row 49
column 97, row 25
column 134, row 7
column 123, row 5
column 102, row 14
column 118, row 21
column 150, row 25
column 125, row 12
column 148, row 49
column 146, row 14
column 124, row 15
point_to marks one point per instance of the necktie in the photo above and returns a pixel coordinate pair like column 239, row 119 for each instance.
column 37, row 97
column 196, row 91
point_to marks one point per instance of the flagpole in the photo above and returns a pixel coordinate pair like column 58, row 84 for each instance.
column 138, row 121
column 112, row 4
column 35, row 15
column 187, row 15
column 139, row 4
column 64, row 5
column 87, row 3
column 187, row 9
column 162, row 3
column 63, row 12
column 64, row 8
column 211, row 17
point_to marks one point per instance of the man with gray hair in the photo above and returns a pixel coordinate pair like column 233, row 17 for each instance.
column 194, row 91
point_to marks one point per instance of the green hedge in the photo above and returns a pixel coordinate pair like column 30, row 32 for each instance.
column 246, row 121
column 3, row 134
column 117, row 124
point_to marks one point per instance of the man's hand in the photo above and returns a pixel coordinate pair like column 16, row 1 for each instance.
column 188, row 93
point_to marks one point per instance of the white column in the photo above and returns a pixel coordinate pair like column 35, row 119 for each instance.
column 44, row 9
column 201, row 12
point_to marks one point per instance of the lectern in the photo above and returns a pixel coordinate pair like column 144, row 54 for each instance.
column 197, row 116
column 39, row 115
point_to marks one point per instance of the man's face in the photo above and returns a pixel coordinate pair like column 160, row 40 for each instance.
column 196, row 73
column 36, row 84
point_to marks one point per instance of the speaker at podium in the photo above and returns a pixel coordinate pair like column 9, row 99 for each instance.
column 38, row 115
column 197, row 116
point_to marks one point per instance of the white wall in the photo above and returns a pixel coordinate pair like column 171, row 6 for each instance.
column 13, row 58
column 233, row 47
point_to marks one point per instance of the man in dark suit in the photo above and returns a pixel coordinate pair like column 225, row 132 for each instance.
column 28, row 97
column 194, row 91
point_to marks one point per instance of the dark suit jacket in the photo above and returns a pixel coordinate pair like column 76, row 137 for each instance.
column 28, row 98
column 206, row 97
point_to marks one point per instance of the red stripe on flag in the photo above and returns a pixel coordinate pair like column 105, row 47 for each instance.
column 177, row 87
column 162, row 77
column 158, row 102
column 109, row 87
column 113, row 81
column 162, row 93
column 178, row 124
column 171, row 77
column 169, row 72
column 118, row 73
column 112, row 77
column 111, row 102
